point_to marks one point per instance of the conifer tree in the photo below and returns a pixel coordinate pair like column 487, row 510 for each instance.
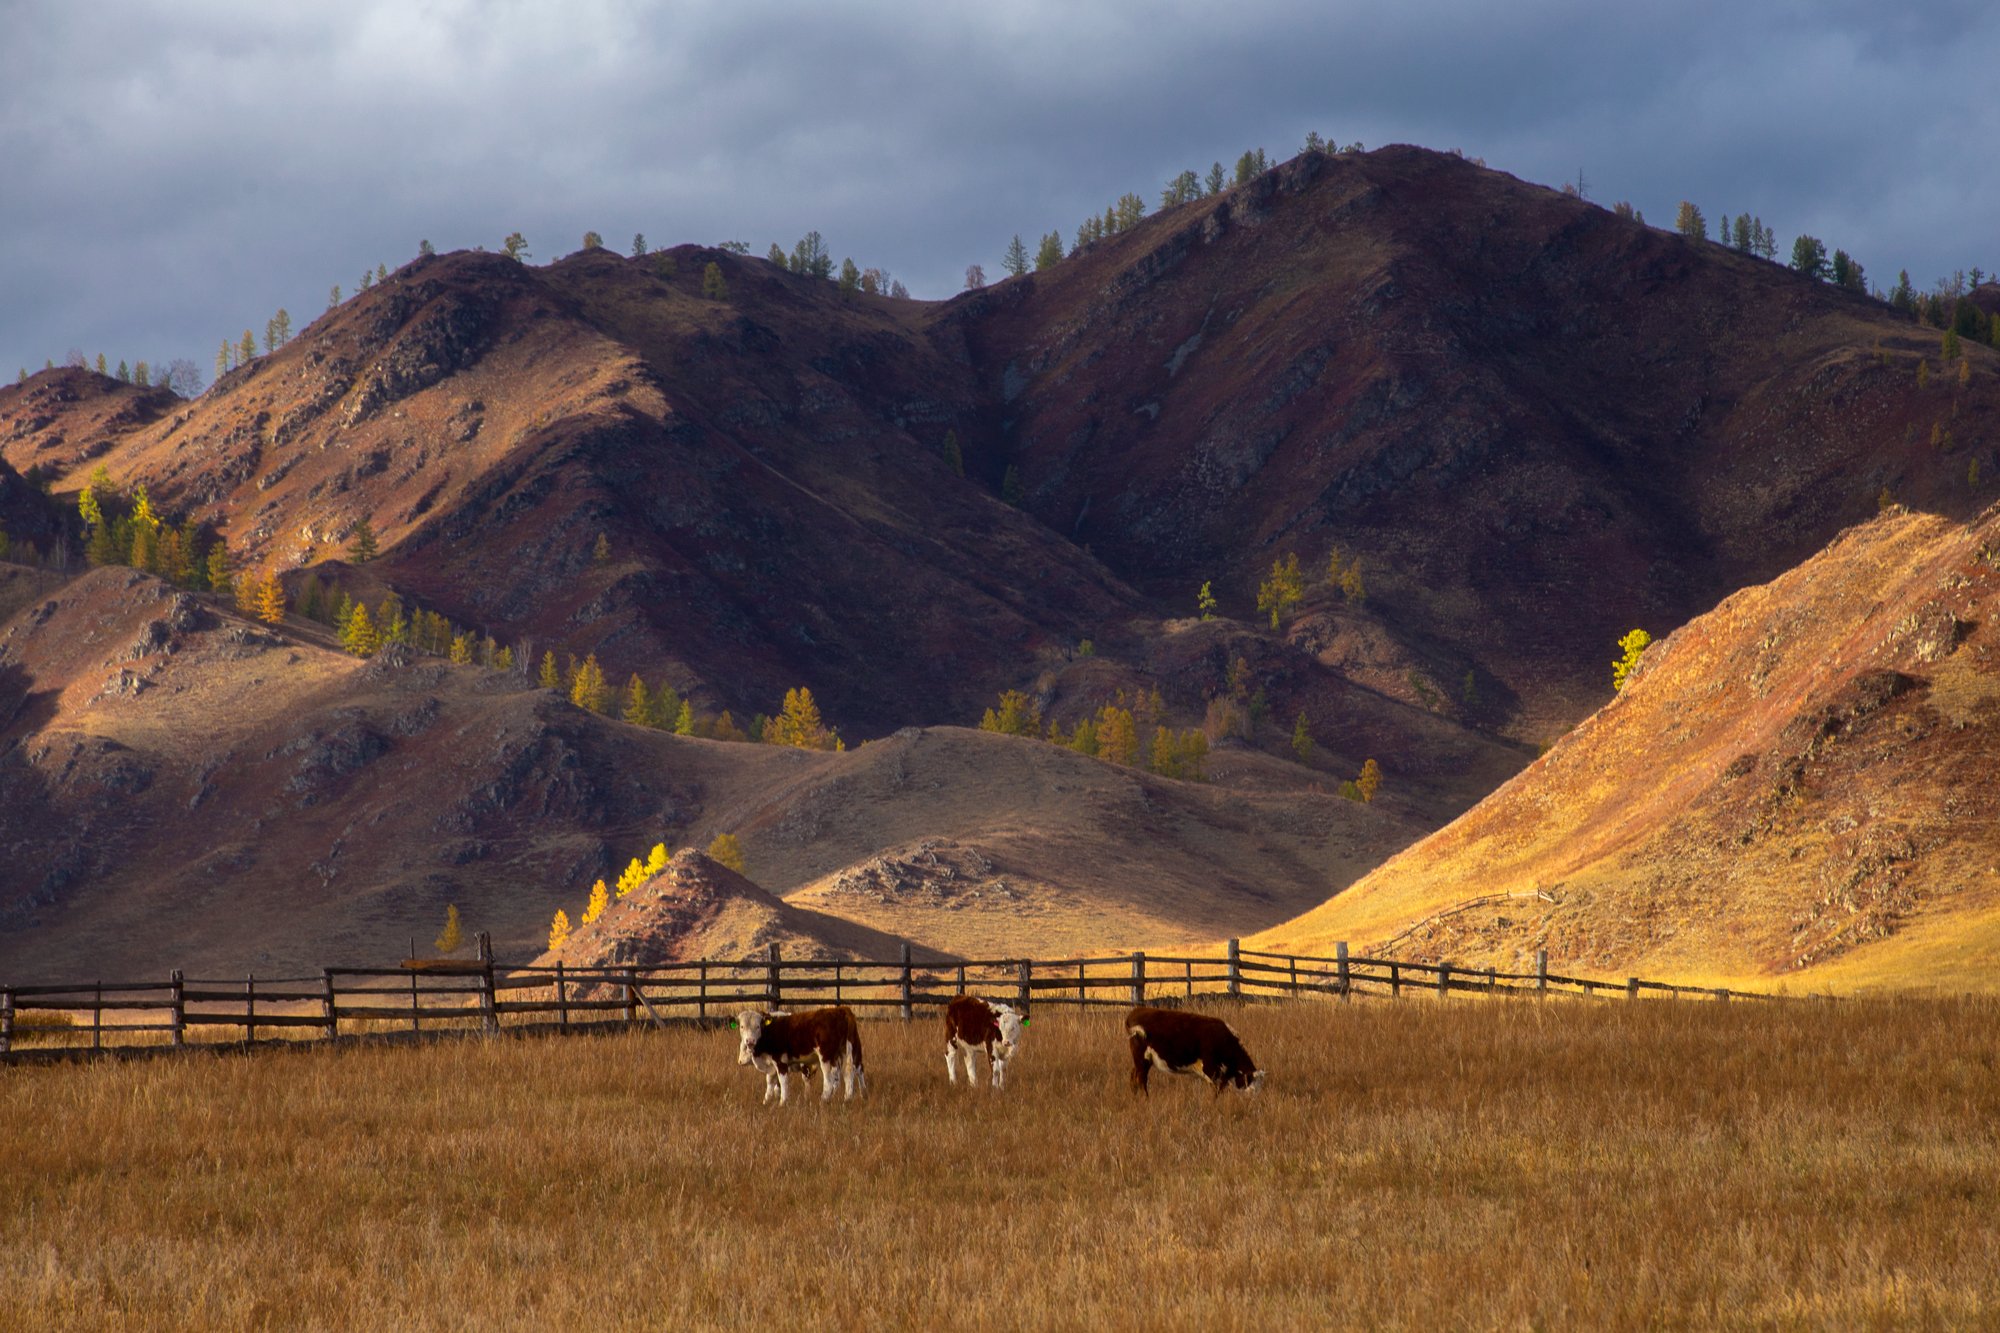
column 361, row 541
column 87, row 505
column 1084, row 739
column 1204, row 602
column 515, row 246
column 638, row 245
column 1050, row 252
column 634, row 875
column 1302, row 740
column 425, row 249
column 713, row 287
column 333, row 297
column 559, row 931
column 850, row 277
column 1015, row 261
column 1352, row 587
column 461, row 650
column 124, row 373
column 800, row 724
column 727, row 851
column 271, row 600
column 1282, row 589
column 666, row 706
column 600, row 553
column 1370, row 781
column 246, row 350
column 1216, row 179
column 1011, row 491
column 103, row 546
column 549, row 679
column 1117, row 735
column 684, row 720
column 221, row 578
column 638, row 706
column 600, row 898
column 1016, row 716
column 359, row 636
column 1689, row 222
column 589, row 691
column 1629, row 649
column 453, row 934
column 503, row 659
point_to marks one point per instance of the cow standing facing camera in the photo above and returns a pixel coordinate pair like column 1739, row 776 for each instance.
column 1182, row 1043
column 827, row 1038
column 971, row 1024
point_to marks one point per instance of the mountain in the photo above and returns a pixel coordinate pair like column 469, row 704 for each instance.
column 1529, row 424
column 1794, row 788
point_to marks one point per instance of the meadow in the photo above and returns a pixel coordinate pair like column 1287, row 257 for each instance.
column 1417, row 1163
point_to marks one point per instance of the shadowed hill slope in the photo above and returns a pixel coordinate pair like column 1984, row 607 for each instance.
column 186, row 788
column 1537, row 424
column 1794, row 787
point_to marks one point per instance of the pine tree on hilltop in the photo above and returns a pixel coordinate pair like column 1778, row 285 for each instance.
column 638, row 706
column 359, row 636
column 558, row 931
column 1015, row 261
column 271, row 600
column 713, row 287
column 550, row 678
column 600, row 898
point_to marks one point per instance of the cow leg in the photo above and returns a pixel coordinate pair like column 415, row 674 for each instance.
column 951, row 1061
column 829, row 1075
column 1141, row 1066
column 850, row 1073
column 784, row 1085
column 999, row 1069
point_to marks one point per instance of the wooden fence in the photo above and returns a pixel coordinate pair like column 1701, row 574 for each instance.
column 441, row 995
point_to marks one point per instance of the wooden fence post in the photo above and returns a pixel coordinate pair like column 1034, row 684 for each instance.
column 1722, row 993
column 909, row 1010
column 631, row 1008
column 562, row 999
column 416, row 1023
column 1025, row 971
column 1541, row 971
column 961, row 978
column 1631, row 988
column 1491, row 980
column 178, row 1021
column 97, row 1020
column 1294, row 964
column 489, row 999
column 1235, row 967
column 1139, row 978
column 1444, row 980
column 332, row 1014
column 249, row 1008
column 6, row 1021
column 1340, row 966
column 1081, row 993
column 701, row 991
column 772, row 982
column 1395, row 980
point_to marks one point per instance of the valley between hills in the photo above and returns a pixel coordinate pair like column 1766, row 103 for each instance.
column 1521, row 424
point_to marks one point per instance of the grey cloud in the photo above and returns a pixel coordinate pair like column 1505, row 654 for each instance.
column 175, row 176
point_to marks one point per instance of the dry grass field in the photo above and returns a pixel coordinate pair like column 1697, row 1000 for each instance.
column 1471, row 1164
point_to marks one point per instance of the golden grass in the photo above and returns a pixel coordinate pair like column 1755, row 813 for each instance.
column 1412, row 1164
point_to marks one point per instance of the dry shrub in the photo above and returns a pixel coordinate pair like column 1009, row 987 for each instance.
column 1411, row 1164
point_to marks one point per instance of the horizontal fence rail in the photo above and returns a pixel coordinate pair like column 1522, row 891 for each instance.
column 445, row 995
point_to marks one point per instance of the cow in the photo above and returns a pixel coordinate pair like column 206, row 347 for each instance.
column 971, row 1024
column 1183, row 1043
column 828, row 1039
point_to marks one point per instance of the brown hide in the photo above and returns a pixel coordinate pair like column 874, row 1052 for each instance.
column 971, row 1020
column 1182, row 1039
column 793, row 1039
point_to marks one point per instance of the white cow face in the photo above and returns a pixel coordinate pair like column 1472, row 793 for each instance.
column 1010, row 1023
column 751, row 1024
column 1256, row 1082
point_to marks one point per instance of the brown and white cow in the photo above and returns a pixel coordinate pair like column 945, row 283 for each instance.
column 777, row 1043
column 1178, row 1042
column 971, row 1024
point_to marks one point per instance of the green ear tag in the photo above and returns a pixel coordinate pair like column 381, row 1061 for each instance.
column 732, row 1025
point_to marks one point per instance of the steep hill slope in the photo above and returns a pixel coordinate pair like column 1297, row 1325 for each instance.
column 1794, row 788
column 1537, row 424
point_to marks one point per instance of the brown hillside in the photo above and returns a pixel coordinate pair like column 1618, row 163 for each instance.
column 1538, row 424
column 1795, row 787
column 696, row 909
column 185, row 788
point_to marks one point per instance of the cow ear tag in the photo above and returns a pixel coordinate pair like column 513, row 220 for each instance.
column 732, row 1025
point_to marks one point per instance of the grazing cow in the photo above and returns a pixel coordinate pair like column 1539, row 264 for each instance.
column 828, row 1039
column 1183, row 1043
column 971, row 1024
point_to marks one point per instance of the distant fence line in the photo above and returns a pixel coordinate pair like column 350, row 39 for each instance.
column 440, row 994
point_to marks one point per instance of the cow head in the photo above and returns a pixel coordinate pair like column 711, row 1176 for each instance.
column 1010, row 1023
column 750, row 1024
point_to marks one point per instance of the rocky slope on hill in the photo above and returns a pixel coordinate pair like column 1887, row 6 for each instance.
column 1795, row 787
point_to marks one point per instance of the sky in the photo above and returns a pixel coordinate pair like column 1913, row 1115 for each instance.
column 173, row 173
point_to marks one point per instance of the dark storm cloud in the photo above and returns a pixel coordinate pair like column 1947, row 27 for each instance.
column 176, row 172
